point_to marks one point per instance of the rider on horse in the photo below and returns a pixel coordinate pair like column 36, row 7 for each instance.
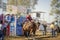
column 29, row 17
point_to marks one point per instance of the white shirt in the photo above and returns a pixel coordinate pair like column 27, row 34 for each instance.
column 41, row 27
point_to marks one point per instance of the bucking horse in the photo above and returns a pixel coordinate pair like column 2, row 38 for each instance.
column 30, row 27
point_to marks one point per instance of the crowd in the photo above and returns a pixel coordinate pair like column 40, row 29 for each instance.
column 53, row 26
column 53, row 29
column 30, row 26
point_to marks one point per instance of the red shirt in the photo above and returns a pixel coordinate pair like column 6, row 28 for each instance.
column 29, row 17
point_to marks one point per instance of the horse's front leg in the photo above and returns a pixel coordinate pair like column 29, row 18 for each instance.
column 31, row 31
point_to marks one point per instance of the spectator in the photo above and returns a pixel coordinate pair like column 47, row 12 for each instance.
column 44, row 26
column 52, row 26
column 1, row 32
column 41, row 28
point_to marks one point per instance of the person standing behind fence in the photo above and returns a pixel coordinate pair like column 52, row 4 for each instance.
column 52, row 26
column 1, row 32
column 45, row 26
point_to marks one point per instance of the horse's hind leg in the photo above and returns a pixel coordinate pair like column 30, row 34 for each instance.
column 28, row 33
column 34, row 32
column 25, row 33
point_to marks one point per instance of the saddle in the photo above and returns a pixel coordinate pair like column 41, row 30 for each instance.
column 27, row 26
